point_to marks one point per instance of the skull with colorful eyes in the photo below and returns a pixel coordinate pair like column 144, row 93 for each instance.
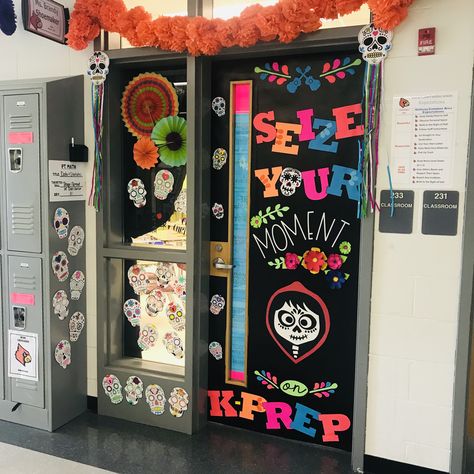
column 98, row 67
column 62, row 353
column 138, row 279
column 132, row 311
column 219, row 158
column 165, row 274
column 176, row 317
column 155, row 303
column 148, row 337
column 218, row 210
column 217, row 304
column 77, row 283
column 155, row 397
column 137, row 192
column 216, row 350
column 112, row 388
column 374, row 43
column 60, row 265
column 133, row 390
column 178, row 401
column 75, row 240
column 61, row 222
column 164, row 182
column 173, row 344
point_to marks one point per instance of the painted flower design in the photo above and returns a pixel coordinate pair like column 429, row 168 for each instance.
column 345, row 248
column 335, row 279
column 334, row 261
column 256, row 222
column 291, row 261
column 314, row 260
column 356, row 178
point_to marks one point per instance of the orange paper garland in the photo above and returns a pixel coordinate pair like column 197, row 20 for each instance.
column 284, row 22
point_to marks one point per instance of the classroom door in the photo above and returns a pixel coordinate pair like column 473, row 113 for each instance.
column 286, row 141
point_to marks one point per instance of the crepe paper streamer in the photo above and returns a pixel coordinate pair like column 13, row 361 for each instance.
column 145, row 153
column 392, row 196
column 284, row 21
column 148, row 98
column 267, row 379
column 169, row 135
column 323, row 389
column 7, row 17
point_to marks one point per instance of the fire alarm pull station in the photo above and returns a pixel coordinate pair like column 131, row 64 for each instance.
column 426, row 41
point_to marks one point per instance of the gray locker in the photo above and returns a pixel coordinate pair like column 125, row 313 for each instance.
column 39, row 120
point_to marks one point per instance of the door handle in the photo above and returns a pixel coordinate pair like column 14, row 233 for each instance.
column 221, row 265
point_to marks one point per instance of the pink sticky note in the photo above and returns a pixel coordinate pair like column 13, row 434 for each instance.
column 22, row 298
column 20, row 138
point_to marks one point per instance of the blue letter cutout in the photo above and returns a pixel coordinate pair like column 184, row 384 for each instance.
column 351, row 183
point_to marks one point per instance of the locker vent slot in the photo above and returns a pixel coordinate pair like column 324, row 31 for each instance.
column 24, row 282
column 20, row 122
column 22, row 219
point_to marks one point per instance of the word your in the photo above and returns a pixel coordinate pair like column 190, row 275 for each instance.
column 279, row 414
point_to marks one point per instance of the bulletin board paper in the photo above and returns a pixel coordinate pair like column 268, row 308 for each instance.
column 67, row 181
column 23, row 355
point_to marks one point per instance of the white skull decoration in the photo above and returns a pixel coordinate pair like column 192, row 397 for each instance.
column 98, row 67
column 137, row 279
column 75, row 240
column 76, row 325
column 133, row 389
column 61, row 222
column 374, row 43
column 290, row 179
column 173, row 344
column 216, row 350
column 178, row 401
column 165, row 274
column 60, row 265
column 218, row 106
column 78, row 280
column 137, row 192
column 164, row 182
column 176, row 317
column 62, row 353
column 218, row 210
column 155, row 397
column 180, row 203
column 112, row 388
column 148, row 336
column 219, row 158
column 61, row 304
column 155, row 303
column 217, row 304
column 132, row 311
column 296, row 324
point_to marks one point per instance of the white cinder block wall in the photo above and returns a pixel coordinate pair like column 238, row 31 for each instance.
column 28, row 56
column 416, row 278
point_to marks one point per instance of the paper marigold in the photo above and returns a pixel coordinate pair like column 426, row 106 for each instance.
column 145, row 153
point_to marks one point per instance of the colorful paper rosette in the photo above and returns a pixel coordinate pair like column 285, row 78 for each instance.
column 169, row 136
column 148, row 98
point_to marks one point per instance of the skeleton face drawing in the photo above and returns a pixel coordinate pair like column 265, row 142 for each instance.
column 219, row 158
column 180, row 203
column 218, row 106
column 112, row 388
column 155, row 303
column 78, row 280
column 137, row 192
column 217, row 304
column 176, row 317
column 148, row 337
column 374, row 43
column 178, row 401
column 218, row 210
column 75, row 240
column 132, row 311
column 76, row 325
column 60, row 265
column 98, row 67
column 61, row 222
column 137, row 278
column 290, row 179
column 165, row 273
column 164, row 182
column 173, row 344
column 216, row 350
column 133, row 389
column 155, row 397
column 61, row 304
column 62, row 353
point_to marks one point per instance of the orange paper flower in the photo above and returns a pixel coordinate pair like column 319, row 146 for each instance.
column 145, row 153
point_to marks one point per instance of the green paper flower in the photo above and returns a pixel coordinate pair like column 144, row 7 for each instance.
column 169, row 135
column 345, row 248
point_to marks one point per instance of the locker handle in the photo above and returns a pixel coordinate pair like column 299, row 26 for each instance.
column 16, row 159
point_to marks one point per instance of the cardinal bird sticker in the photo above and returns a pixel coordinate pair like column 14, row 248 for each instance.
column 22, row 355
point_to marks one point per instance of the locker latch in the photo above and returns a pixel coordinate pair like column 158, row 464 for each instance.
column 16, row 159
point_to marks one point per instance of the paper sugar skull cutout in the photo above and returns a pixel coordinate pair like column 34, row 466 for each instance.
column 290, row 179
column 137, row 192
column 176, row 317
column 298, row 321
column 137, row 279
column 218, row 210
column 75, row 240
column 112, row 388
column 133, row 390
column 164, row 182
column 61, row 304
column 76, row 325
column 61, row 222
column 180, row 203
column 166, row 274
column 216, row 350
column 155, row 397
column 148, row 336
column 62, row 353
column 60, row 266
column 178, row 401
column 374, row 43
column 98, row 67
column 218, row 106
column 219, row 158
column 132, row 311
column 155, row 303
column 173, row 344
column 78, row 280
column 217, row 304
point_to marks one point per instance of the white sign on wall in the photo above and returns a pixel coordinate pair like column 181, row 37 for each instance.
column 67, row 181
column 23, row 355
